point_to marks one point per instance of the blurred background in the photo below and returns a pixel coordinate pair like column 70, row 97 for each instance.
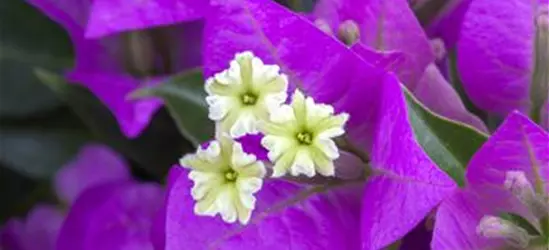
column 40, row 119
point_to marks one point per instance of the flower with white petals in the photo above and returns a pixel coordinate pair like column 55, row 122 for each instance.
column 245, row 93
column 299, row 137
column 225, row 180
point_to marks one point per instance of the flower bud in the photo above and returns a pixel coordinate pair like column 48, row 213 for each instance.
column 520, row 186
column 439, row 49
column 348, row 32
column 495, row 227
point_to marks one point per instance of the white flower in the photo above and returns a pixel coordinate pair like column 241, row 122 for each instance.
column 299, row 137
column 245, row 93
column 225, row 180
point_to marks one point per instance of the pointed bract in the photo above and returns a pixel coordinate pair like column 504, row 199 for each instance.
column 108, row 17
column 326, row 221
column 495, row 54
column 405, row 182
column 518, row 146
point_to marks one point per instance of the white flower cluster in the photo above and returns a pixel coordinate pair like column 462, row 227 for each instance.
column 249, row 98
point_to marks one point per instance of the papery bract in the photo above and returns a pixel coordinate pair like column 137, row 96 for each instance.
column 495, row 53
column 518, row 145
column 321, row 222
column 108, row 17
column 407, row 185
column 438, row 95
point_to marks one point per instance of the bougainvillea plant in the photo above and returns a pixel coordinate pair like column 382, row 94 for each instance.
column 302, row 124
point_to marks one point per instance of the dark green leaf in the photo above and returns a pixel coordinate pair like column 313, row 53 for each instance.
column 155, row 150
column 184, row 97
column 544, row 222
column 39, row 152
column 20, row 193
column 449, row 144
column 29, row 39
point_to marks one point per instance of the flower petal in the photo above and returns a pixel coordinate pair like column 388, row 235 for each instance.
column 406, row 185
column 109, row 16
column 518, row 144
column 495, row 54
column 439, row 96
column 458, row 217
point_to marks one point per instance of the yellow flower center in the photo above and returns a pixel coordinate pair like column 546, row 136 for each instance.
column 304, row 138
column 231, row 175
column 249, row 99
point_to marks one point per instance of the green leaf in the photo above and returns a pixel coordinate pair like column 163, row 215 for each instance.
column 155, row 150
column 450, row 144
column 39, row 152
column 184, row 96
column 29, row 39
column 23, row 194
